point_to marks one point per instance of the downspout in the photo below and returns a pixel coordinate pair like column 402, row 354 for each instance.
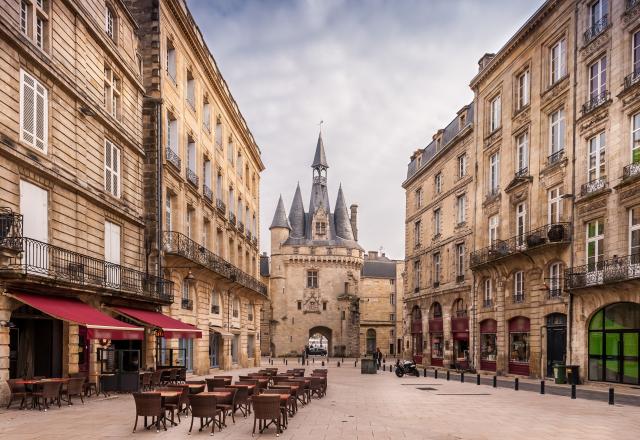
column 159, row 182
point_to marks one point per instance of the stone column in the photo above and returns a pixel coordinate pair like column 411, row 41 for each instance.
column 72, row 333
column 502, row 331
column 149, row 350
column 5, row 315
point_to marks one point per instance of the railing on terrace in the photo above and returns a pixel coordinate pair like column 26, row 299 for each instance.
column 596, row 29
column 56, row 263
column 173, row 158
column 604, row 272
column 207, row 193
column 179, row 244
column 631, row 170
column 240, row 226
column 523, row 172
column 232, row 219
column 553, row 233
column 187, row 304
column 631, row 79
column 10, row 229
column 595, row 101
column 593, row 186
column 487, row 302
column 554, row 287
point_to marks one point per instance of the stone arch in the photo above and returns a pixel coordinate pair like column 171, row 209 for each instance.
column 327, row 333
column 371, row 339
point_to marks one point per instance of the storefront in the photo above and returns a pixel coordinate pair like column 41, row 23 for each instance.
column 556, row 340
column 488, row 344
column 460, row 334
column 416, row 334
column 519, row 332
column 614, row 344
column 436, row 335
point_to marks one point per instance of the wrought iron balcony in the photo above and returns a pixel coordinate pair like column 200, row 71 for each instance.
column 630, row 4
column 215, row 309
column 555, row 157
column 554, row 287
column 192, row 177
column 554, row 233
column 523, row 172
column 595, row 101
column 596, row 29
column 631, row 170
column 207, row 193
column 459, row 278
column 518, row 298
column 604, row 272
column 255, row 241
column 10, row 229
column 187, row 304
column 173, row 158
column 594, row 186
column 487, row 302
column 59, row 264
column 632, row 78
column 240, row 227
column 179, row 244
column 221, row 207
column 232, row 219
column 248, row 235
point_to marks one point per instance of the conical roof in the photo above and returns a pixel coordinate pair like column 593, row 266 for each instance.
column 280, row 217
column 341, row 218
column 320, row 159
column 296, row 214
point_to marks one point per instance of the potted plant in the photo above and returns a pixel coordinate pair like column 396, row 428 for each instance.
column 556, row 233
column 534, row 240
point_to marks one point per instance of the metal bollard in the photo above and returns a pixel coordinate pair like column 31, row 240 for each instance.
column 516, row 384
column 542, row 387
column 322, row 363
column 425, row 372
column 573, row 391
column 338, row 363
column 611, row 397
column 436, row 373
column 478, row 379
column 495, row 381
column 462, row 377
column 448, row 375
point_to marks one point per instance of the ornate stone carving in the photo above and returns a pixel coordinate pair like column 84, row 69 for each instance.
column 594, row 119
column 311, row 301
column 494, row 137
column 596, row 44
column 631, row 14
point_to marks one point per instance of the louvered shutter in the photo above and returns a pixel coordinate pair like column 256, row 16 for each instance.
column 111, row 169
column 33, row 112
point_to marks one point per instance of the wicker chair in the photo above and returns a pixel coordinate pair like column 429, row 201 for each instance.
column 74, row 387
column 149, row 405
column 266, row 409
column 173, row 375
column 183, row 400
column 227, row 404
column 156, row 378
column 18, row 391
column 216, row 382
column 48, row 392
column 242, row 401
column 286, row 406
column 317, row 387
column 145, row 383
column 206, row 409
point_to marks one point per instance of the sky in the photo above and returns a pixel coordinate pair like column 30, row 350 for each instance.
column 383, row 75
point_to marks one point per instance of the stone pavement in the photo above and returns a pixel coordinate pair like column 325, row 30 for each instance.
column 365, row 407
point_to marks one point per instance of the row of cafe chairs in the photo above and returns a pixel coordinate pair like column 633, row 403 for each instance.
column 46, row 392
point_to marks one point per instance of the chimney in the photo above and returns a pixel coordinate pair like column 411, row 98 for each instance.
column 373, row 255
column 485, row 60
column 354, row 221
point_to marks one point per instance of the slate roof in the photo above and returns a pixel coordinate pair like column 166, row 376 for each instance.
column 280, row 217
column 320, row 158
column 379, row 268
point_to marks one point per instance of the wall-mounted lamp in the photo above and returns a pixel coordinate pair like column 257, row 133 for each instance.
column 7, row 324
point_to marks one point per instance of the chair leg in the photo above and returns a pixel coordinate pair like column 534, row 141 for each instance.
column 191, row 427
column 135, row 425
column 254, row 426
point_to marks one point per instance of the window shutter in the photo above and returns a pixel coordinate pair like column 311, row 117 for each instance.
column 108, row 175
column 112, row 169
column 33, row 112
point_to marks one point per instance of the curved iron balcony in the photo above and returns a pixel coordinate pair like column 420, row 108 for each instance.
column 631, row 170
column 555, row 157
column 232, row 219
column 596, row 29
column 207, row 193
column 593, row 186
column 10, row 229
column 595, row 101
column 603, row 272
column 59, row 264
column 221, row 207
column 240, row 227
column 177, row 243
column 173, row 158
column 554, row 233
column 192, row 177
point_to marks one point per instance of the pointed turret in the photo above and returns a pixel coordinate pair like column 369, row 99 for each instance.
column 280, row 217
column 296, row 215
column 341, row 218
column 320, row 159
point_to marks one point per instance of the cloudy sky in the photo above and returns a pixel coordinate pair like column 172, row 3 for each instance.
column 384, row 76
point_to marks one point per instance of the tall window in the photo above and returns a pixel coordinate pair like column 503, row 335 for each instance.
column 34, row 23
column 518, row 286
column 206, row 116
column 417, row 269
column 494, row 173
column 495, row 114
column 418, row 198
column 597, row 11
column 191, row 155
column 557, row 131
column 461, row 209
column 110, row 23
column 554, row 210
column 206, row 225
column 34, row 104
column 230, row 151
column 112, row 91
column 522, row 97
column 191, row 90
column 596, row 169
column 219, row 183
column 168, row 213
column 172, row 67
column 634, row 235
column 321, row 228
column 112, row 169
column 460, row 259
column 239, row 165
column 595, row 244
column 24, row 17
column 522, row 150
column 598, row 78
column 437, row 220
column 312, row 279
column 438, row 183
column 232, row 202
column 236, row 307
column 521, row 220
column 416, row 233
column 558, row 60
column 112, row 242
column 206, row 172
column 218, row 133
column 172, row 133
column 189, row 222
column 635, row 139
column 488, row 292
column 635, row 41
column 555, row 279
column 436, row 269
column 462, row 165
column 494, row 221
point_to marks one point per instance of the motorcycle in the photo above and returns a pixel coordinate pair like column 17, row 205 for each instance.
column 406, row 367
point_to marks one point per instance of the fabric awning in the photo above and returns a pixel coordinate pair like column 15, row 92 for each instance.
column 170, row 327
column 98, row 324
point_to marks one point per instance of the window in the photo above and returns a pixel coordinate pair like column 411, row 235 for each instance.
column 191, row 156
column 598, row 79
column 251, row 346
column 522, row 92
column 112, row 90
column 595, row 244
column 555, row 279
column 219, row 183
column 24, row 18
column 324, row 305
column 460, row 259
column 554, row 210
column 112, row 169
column 215, row 302
column 250, row 312
column 206, row 172
column 235, row 343
column 416, row 233
column 110, row 23
column 436, row 269
column 186, row 346
column 494, row 222
column 206, row 224
column 636, row 54
column 34, row 22
column 189, row 222
column 392, row 317
column 494, row 173
column 438, row 183
column 232, row 202
column 230, row 151
column 461, row 209
column 462, row 165
column 417, row 267
column 521, row 222
column 488, row 292
column 518, row 286
column 312, row 279
column 557, row 131
column 239, row 165
column 34, row 105
column 418, row 198
column 219, row 133
column 596, row 159
column 597, row 12
column 634, row 235
column 392, row 299
column 111, row 243
column 558, row 61
column 167, row 212
column 321, row 228
column 299, row 305
column 495, row 114
column 191, row 90
column 437, row 220
column 206, row 116
column 172, row 133
column 522, row 153
column 172, row 68
column 236, row 307
column 635, row 139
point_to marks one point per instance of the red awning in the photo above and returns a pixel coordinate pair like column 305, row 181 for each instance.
column 98, row 324
column 171, row 328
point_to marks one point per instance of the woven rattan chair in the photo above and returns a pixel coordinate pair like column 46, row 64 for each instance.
column 18, row 391
column 182, row 402
column 47, row 392
column 145, row 385
column 286, row 406
column 74, row 388
column 266, row 410
column 226, row 404
column 242, row 401
column 206, row 409
column 156, row 378
column 149, row 405
column 216, row 382
column 317, row 387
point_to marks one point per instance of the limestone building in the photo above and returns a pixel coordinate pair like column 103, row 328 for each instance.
column 315, row 270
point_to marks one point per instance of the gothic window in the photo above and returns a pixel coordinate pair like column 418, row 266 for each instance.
column 312, row 279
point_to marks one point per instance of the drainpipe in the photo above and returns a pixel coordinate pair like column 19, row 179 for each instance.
column 159, row 184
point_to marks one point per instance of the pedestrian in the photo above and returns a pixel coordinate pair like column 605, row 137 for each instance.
column 378, row 357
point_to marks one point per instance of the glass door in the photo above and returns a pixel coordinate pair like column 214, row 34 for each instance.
column 630, row 358
column 612, row 357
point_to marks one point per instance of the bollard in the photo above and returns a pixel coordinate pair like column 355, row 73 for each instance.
column 436, row 373
column 478, row 379
column 542, row 387
column 286, row 361
column 611, row 397
column 462, row 377
column 323, row 363
column 495, row 381
column 355, row 364
column 448, row 375
column 425, row 372
column 573, row 391
column 314, row 361
column 338, row 363
column 516, row 384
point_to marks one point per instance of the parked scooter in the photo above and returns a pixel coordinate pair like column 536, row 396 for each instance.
column 406, row 367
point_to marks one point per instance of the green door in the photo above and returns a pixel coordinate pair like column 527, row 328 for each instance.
column 612, row 357
column 630, row 348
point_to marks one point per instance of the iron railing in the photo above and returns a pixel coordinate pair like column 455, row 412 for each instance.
column 487, row 302
column 459, row 278
column 192, row 177
column 555, row 157
column 523, row 172
column 248, row 234
column 240, row 227
column 173, row 158
column 595, row 101
column 630, row 4
column 554, row 233
column 179, row 244
column 596, row 29
column 603, row 272
column 56, row 263
column 207, row 193
column 10, row 229
column 554, row 287
column 232, row 218
column 254, row 240
column 593, row 186
column 518, row 298
column 631, row 170
column 215, row 309
column 221, row 207
column 187, row 304
column 632, row 78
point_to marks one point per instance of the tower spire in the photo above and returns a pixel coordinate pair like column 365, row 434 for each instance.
column 320, row 159
column 280, row 217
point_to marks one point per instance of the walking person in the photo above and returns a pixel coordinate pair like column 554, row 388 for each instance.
column 378, row 357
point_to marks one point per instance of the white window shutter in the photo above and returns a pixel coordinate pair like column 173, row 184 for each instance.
column 112, row 162
column 41, row 117
column 27, row 108
column 108, row 175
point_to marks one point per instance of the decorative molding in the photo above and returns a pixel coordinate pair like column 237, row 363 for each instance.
column 630, row 15
column 593, row 119
column 493, row 137
column 596, row 44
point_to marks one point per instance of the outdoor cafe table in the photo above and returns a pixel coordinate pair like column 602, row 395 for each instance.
column 33, row 383
column 217, row 394
column 195, row 386
column 165, row 394
column 227, row 380
column 250, row 388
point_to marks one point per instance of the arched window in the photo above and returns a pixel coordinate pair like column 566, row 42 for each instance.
column 459, row 308
column 371, row 341
column 236, row 307
column 215, row 302
column 436, row 311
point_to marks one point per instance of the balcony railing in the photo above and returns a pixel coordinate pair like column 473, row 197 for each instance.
column 487, row 302
column 254, row 240
column 179, row 244
column 248, row 234
column 59, row 264
column 459, row 278
column 10, row 229
column 555, row 157
column 207, row 193
column 595, row 101
column 523, row 172
column 631, row 79
column 221, row 207
column 630, row 4
column 596, row 29
column 232, row 219
column 192, row 177
column 215, row 309
column 631, row 170
column 240, row 227
column 593, row 186
column 604, row 272
column 554, row 233
column 554, row 287
column 187, row 304
column 173, row 158
column 518, row 298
